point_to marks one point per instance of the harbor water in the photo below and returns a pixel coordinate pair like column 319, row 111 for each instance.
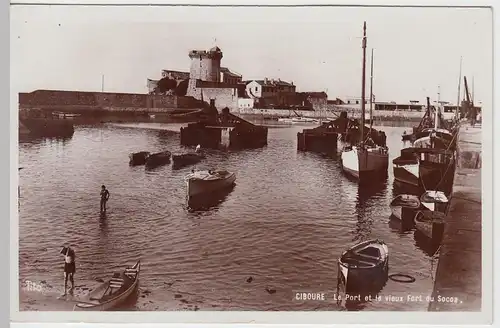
column 284, row 224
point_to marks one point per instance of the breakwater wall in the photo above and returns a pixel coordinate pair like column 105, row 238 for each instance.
column 334, row 112
column 79, row 101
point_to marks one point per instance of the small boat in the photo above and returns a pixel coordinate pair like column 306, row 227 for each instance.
column 186, row 159
column 430, row 224
column 65, row 115
column 402, row 202
column 113, row 292
column 434, row 201
column 158, row 159
column 364, row 264
column 203, row 182
column 138, row 158
column 298, row 120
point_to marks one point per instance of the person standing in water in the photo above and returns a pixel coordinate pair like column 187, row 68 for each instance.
column 104, row 198
column 69, row 268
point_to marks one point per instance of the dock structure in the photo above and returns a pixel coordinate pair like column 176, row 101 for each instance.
column 323, row 139
column 459, row 271
column 208, row 131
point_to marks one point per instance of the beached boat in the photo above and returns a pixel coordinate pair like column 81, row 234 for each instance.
column 430, row 224
column 113, row 292
column 158, row 159
column 402, row 203
column 138, row 158
column 435, row 201
column 364, row 264
column 186, row 159
column 203, row 182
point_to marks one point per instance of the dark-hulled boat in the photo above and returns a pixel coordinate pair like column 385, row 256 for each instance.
column 158, row 159
column 364, row 264
column 404, row 203
column 138, row 158
column 112, row 292
column 426, row 168
column 186, row 159
column 430, row 224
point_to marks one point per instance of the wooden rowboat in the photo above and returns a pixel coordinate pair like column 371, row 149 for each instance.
column 206, row 182
column 403, row 202
column 430, row 224
column 364, row 264
column 138, row 158
column 113, row 292
column 158, row 159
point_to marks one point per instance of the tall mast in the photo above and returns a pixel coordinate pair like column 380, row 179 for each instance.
column 459, row 83
column 371, row 92
column 363, row 86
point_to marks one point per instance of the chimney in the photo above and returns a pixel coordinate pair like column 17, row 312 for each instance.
column 265, row 80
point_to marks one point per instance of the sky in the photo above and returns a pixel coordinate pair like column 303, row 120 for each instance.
column 417, row 51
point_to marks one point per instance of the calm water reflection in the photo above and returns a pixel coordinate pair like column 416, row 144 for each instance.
column 284, row 223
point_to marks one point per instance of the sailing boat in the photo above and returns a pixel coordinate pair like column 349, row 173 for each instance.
column 365, row 158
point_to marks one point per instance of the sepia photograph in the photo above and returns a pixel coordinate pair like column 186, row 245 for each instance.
column 190, row 158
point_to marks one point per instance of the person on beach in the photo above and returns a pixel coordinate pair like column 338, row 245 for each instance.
column 104, row 198
column 69, row 268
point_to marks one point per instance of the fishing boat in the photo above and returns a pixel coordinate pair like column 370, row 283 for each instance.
column 113, row 292
column 364, row 264
column 365, row 159
column 430, row 224
column 435, row 201
column 402, row 204
column 299, row 120
column 138, row 158
column 426, row 168
column 207, row 181
column 158, row 159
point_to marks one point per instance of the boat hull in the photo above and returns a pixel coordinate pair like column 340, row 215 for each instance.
column 407, row 173
column 158, row 159
column 365, row 163
column 430, row 225
column 196, row 188
column 114, row 302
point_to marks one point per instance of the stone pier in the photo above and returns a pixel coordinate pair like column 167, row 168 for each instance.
column 459, row 270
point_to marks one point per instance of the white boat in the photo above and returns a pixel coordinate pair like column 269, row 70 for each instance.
column 434, row 200
column 113, row 292
column 65, row 115
column 364, row 161
column 298, row 120
column 430, row 224
column 401, row 202
column 207, row 181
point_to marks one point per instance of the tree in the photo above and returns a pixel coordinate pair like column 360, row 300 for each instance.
column 165, row 84
column 181, row 89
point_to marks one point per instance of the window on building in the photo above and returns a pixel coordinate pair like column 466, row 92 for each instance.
column 256, row 89
column 357, row 102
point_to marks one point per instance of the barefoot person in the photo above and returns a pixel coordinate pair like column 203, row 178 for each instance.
column 69, row 267
column 104, row 198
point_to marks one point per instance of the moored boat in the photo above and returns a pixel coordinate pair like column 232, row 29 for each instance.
column 113, row 292
column 158, row 159
column 138, row 158
column 364, row 162
column 435, row 201
column 186, row 159
column 364, row 264
column 402, row 204
column 203, row 182
column 430, row 224
column 367, row 158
